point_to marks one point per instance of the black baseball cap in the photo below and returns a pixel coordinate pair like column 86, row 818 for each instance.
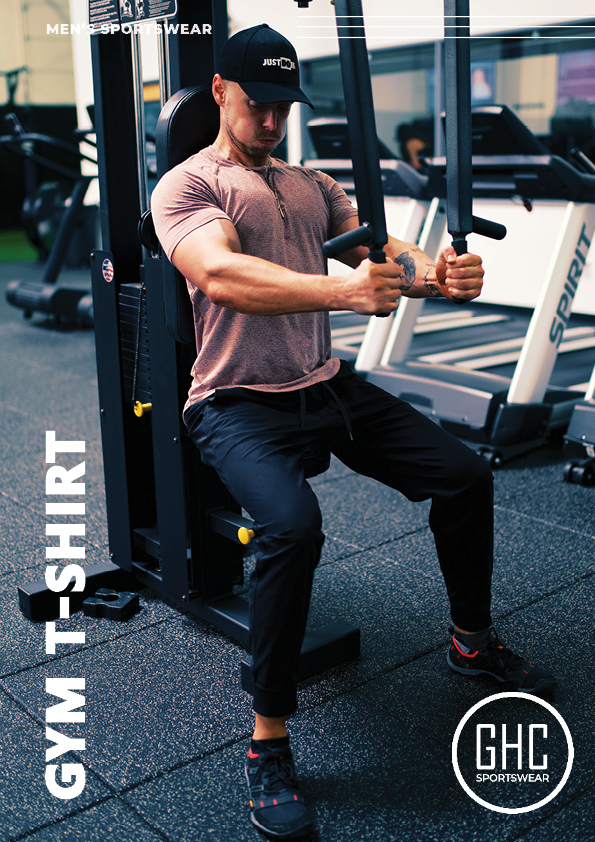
column 264, row 64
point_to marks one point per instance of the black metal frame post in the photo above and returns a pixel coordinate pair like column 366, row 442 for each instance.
column 363, row 139
column 457, row 129
column 149, row 468
column 188, row 64
column 128, row 474
column 457, row 74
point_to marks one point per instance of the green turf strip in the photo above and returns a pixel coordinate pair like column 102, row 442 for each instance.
column 15, row 246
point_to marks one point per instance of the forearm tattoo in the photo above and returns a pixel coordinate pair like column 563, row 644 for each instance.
column 433, row 289
column 408, row 270
column 409, row 273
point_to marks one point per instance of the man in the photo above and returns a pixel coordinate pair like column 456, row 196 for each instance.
column 246, row 231
column 415, row 142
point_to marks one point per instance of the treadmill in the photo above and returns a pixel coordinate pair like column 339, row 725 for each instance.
column 331, row 141
column 579, row 441
column 501, row 417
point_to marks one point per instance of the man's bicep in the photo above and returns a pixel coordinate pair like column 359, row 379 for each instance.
column 198, row 253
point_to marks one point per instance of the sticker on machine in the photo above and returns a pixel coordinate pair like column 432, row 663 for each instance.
column 107, row 270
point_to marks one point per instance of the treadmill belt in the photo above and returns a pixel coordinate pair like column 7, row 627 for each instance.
column 481, row 337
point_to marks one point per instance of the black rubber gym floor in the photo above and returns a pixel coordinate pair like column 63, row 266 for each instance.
column 167, row 724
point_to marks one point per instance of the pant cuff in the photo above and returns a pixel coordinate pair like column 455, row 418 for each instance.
column 473, row 622
column 274, row 703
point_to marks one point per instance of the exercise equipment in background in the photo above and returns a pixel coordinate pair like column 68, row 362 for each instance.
column 503, row 417
column 579, row 441
column 51, row 217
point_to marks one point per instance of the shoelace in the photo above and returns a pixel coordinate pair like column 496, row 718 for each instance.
column 500, row 652
column 276, row 772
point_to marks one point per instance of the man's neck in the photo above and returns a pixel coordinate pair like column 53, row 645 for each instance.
column 226, row 149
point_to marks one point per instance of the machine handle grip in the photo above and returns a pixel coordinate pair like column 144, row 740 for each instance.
column 485, row 227
column 488, row 228
column 459, row 244
column 361, row 236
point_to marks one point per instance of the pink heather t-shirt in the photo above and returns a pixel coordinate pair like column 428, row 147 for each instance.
column 269, row 353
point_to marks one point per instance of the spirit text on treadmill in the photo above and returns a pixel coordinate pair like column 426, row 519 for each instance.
column 62, row 481
column 565, row 303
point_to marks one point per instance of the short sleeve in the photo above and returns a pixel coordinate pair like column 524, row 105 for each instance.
column 183, row 201
column 339, row 203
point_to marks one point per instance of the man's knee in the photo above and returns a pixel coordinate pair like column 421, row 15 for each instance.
column 300, row 528
column 294, row 527
column 470, row 471
column 479, row 471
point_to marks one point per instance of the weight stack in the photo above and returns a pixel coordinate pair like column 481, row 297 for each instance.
column 134, row 343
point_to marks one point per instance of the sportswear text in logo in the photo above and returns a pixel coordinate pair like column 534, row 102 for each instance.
column 283, row 63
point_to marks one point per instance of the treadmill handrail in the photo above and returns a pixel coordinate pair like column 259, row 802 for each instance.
column 414, row 184
column 530, row 176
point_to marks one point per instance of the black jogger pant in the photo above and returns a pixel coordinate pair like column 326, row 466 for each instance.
column 256, row 442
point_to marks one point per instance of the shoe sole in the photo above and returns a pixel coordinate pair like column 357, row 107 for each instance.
column 544, row 685
column 294, row 834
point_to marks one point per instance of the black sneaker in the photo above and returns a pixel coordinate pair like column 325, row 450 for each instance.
column 277, row 805
column 497, row 660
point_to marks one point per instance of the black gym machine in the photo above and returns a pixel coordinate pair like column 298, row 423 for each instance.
column 172, row 524
column 65, row 201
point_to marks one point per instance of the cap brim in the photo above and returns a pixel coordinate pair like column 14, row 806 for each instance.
column 266, row 92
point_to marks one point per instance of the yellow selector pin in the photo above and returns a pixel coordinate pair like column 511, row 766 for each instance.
column 245, row 535
column 141, row 408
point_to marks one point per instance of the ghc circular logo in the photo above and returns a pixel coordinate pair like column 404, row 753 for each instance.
column 512, row 752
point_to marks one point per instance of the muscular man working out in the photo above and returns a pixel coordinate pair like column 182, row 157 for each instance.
column 246, row 230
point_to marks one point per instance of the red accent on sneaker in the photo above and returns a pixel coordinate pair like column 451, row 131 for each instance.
column 262, row 803
column 275, row 801
column 295, row 798
column 251, row 754
column 464, row 654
